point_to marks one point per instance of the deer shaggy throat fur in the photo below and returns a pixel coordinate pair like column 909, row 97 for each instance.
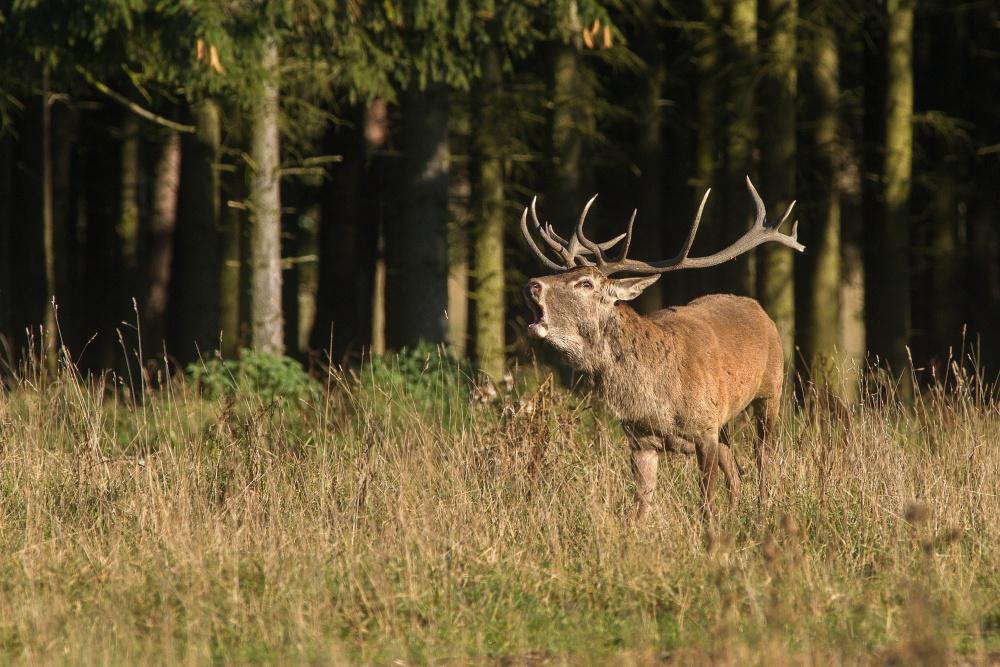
column 676, row 377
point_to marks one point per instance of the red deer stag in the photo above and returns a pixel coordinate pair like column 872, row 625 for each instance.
column 674, row 377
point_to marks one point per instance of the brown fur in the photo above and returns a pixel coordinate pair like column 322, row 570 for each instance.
column 674, row 378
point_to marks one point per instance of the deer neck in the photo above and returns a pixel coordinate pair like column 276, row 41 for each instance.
column 630, row 358
column 622, row 351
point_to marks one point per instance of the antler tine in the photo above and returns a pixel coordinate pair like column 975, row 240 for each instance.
column 628, row 235
column 689, row 241
column 571, row 251
column 788, row 212
column 584, row 241
column 554, row 244
column 758, row 204
column 607, row 245
column 758, row 234
column 552, row 232
column 531, row 244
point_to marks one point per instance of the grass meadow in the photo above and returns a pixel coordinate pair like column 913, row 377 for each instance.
column 391, row 516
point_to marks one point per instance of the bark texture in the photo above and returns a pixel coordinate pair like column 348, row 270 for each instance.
column 488, row 241
column 818, row 325
column 649, row 148
column 159, row 256
column 50, row 338
column 570, row 115
column 738, row 135
column 887, row 267
column 708, row 150
column 267, row 328
column 127, row 228
column 775, row 280
column 195, row 301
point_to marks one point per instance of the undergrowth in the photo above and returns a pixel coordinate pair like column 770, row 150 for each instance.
column 388, row 515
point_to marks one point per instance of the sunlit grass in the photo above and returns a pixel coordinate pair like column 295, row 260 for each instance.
column 366, row 525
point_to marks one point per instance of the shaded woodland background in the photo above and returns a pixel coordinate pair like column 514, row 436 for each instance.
column 327, row 179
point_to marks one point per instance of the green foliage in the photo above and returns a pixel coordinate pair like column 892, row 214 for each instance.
column 427, row 375
column 268, row 376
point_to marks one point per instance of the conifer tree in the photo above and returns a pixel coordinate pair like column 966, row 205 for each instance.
column 775, row 278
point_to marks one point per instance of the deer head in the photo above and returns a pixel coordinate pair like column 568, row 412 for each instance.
column 574, row 304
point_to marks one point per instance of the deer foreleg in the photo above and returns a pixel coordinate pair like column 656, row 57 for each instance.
column 644, row 465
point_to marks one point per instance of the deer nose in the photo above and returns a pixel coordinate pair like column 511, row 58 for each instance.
column 533, row 289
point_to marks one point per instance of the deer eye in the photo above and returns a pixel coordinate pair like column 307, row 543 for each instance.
column 585, row 284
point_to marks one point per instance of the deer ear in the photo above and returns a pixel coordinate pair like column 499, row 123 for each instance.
column 626, row 289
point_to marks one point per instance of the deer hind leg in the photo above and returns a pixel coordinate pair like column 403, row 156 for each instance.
column 766, row 419
column 729, row 469
column 707, row 450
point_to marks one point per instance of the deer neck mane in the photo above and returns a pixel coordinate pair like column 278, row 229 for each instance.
column 619, row 354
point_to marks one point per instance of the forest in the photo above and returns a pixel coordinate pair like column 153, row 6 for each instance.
column 330, row 180
column 266, row 390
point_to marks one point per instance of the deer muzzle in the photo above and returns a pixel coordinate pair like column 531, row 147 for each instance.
column 538, row 328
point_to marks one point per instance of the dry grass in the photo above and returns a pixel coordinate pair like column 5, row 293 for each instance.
column 369, row 526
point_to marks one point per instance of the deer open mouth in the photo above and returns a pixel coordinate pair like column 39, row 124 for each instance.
column 539, row 327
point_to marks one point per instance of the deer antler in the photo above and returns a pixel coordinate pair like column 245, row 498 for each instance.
column 571, row 252
column 761, row 232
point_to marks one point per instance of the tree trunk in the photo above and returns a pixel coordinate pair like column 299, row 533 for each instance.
column 945, row 297
column 195, row 291
column 345, row 264
column 28, row 258
column 738, row 133
column 775, row 282
column 162, row 223
column 127, row 229
column 570, row 119
column 887, row 261
column 50, row 337
column 291, row 249
column 245, row 267
column 851, row 340
column 265, row 203
column 939, row 250
column 232, row 281
column 416, row 239
column 708, row 147
column 984, row 260
column 649, row 148
column 349, row 221
column 64, row 121
column 6, row 226
column 818, row 309
column 459, row 214
column 378, row 296
column 308, row 275
column 104, row 278
column 488, row 244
